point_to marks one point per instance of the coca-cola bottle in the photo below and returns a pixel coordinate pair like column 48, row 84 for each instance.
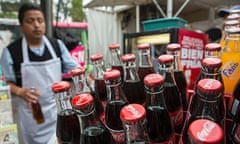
column 99, row 84
column 179, row 75
column 116, row 62
column 115, row 101
column 81, row 85
column 211, row 68
column 235, row 127
column 206, row 103
column 133, row 117
column 145, row 65
column 132, row 85
column 236, row 100
column 204, row 131
column 159, row 124
column 68, row 127
column 212, row 50
column 171, row 92
column 93, row 130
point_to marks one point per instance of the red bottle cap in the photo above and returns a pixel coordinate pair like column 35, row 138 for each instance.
column 209, row 85
column 96, row 57
column 111, row 74
column 173, row 47
column 77, row 71
column 153, row 79
column 82, row 100
column 132, row 113
column 203, row 131
column 213, row 47
column 165, row 58
column 212, row 62
column 114, row 46
column 60, row 86
column 143, row 46
column 128, row 57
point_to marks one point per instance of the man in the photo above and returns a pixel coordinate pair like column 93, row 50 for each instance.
column 35, row 61
column 224, row 12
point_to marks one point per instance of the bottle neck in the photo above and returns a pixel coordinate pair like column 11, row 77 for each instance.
column 210, row 97
column 177, row 65
column 213, row 54
column 145, row 58
column 63, row 101
column 135, row 132
column 214, row 73
column 130, row 71
column 166, row 70
column 114, row 90
column 81, row 84
column 98, row 69
column 155, row 96
column 116, row 58
column 232, row 42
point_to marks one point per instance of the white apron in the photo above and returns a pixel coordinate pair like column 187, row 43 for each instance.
column 40, row 75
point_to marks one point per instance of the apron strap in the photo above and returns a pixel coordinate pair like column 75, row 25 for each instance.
column 25, row 52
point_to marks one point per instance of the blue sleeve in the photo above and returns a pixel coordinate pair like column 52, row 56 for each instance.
column 6, row 63
column 68, row 62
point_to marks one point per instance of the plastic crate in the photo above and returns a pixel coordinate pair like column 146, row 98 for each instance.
column 156, row 24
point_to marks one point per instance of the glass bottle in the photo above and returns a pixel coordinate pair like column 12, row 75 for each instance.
column 179, row 75
column 93, row 130
column 99, row 84
column 68, row 127
column 159, row 125
column 37, row 110
column 213, row 50
column 81, row 85
column 236, row 100
column 211, row 68
column 171, row 92
column 206, row 103
column 132, row 85
column 235, row 127
column 145, row 65
column 231, row 60
column 116, row 62
column 133, row 117
column 204, row 131
column 115, row 101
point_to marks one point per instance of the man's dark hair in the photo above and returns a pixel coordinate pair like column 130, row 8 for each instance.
column 26, row 7
column 214, row 34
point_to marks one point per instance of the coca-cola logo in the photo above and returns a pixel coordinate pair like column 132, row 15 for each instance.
column 229, row 69
column 134, row 111
column 208, row 84
column 206, row 130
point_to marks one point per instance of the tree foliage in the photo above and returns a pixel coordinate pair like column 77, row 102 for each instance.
column 76, row 12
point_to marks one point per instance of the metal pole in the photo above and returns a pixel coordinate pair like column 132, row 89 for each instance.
column 137, row 18
column 46, row 6
column 169, row 8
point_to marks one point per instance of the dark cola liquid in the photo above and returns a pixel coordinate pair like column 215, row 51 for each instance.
column 159, row 126
column 182, row 86
column 112, row 116
column 120, row 68
column 174, row 104
column 96, row 135
column 100, row 89
column 134, row 91
column 143, row 71
column 68, row 128
column 98, row 105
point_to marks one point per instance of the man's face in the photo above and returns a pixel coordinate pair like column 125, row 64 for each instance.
column 33, row 25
